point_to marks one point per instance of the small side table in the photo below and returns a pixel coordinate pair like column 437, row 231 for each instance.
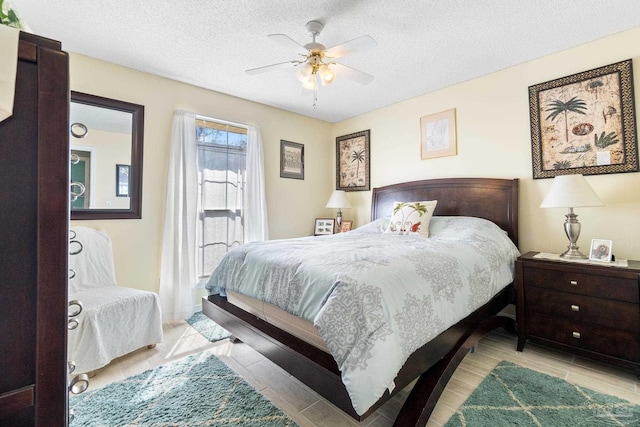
column 583, row 308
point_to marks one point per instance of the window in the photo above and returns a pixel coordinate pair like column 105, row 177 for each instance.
column 222, row 154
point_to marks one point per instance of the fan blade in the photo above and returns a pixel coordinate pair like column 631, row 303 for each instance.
column 352, row 46
column 352, row 74
column 287, row 41
column 272, row 67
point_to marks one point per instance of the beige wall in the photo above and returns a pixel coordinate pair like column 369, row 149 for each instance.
column 494, row 140
column 290, row 208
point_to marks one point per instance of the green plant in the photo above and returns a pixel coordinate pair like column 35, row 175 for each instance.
column 605, row 140
column 562, row 164
column 357, row 156
column 9, row 17
column 416, row 206
column 594, row 85
column 574, row 105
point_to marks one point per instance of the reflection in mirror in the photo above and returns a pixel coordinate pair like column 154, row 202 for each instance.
column 106, row 139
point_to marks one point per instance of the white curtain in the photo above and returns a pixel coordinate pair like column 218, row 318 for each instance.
column 255, row 200
column 178, row 265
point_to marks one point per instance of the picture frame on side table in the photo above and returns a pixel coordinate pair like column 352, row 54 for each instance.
column 438, row 135
column 601, row 250
column 346, row 225
column 291, row 160
column 324, row 226
column 584, row 123
column 352, row 161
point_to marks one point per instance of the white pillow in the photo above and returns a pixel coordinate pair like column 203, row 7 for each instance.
column 376, row 226
column 411, row 217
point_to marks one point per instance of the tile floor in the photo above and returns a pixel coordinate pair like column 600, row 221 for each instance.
column 308, row 409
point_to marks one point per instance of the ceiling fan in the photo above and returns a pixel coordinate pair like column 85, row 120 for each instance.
column 316, row 62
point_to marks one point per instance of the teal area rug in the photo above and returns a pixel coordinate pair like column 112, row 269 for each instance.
column 515, row 396
column 199, row 390
column 207, row 327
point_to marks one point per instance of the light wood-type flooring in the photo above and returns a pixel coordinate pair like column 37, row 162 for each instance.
column 308, row 409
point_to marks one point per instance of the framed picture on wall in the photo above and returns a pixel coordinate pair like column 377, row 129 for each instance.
column 352, row 161
column 324, row 226
column 291, row 160
column 438, row 135
column 584, row 123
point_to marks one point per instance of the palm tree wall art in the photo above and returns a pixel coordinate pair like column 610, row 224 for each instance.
column 584, row 123
column 557, row 107
column 352, row 161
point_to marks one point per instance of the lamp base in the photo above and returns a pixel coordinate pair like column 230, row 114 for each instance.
column 573, row 253
column 572, row 230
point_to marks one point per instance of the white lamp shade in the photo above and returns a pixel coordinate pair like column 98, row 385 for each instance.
column 338, row 200
column 570, row 191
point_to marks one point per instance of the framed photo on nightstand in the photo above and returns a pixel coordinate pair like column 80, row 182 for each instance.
column 324, row 226
column 601, row 250
column 346, row 225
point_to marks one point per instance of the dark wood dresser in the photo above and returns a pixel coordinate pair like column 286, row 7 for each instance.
column 586, row 309
column 34, row 218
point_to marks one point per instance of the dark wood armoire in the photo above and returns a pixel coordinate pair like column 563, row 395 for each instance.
column 34, row 218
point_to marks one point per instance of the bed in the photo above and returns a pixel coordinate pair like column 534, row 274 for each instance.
column 323, row 368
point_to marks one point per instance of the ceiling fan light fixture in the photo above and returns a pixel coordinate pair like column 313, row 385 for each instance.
column 312, row 67
column 311, row 83
column 304, row 72
column 327, row 75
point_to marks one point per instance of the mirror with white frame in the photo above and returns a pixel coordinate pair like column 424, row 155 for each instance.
column 106, row 142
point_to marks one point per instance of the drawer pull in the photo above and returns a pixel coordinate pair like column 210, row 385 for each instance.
column 575, row 307
column 576, row 335
column 574, row 282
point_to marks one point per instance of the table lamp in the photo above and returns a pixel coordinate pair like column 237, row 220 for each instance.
column 340, row 201
column 571, row 191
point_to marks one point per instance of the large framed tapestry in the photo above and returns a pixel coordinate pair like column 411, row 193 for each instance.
column 584, row 123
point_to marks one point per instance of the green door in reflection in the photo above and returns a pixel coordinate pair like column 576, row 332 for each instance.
column 78, row 174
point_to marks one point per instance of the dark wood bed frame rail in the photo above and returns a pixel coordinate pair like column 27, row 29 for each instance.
column 434, row 363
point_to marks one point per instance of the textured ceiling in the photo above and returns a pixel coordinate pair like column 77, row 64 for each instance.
column 423, row 45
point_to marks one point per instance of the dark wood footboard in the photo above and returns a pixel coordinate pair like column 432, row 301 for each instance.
column 315, row 368
column 434, row 363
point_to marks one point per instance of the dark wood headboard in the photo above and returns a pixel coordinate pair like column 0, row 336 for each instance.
column 489, row 198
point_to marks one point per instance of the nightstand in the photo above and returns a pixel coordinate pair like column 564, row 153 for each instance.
column 585, row 309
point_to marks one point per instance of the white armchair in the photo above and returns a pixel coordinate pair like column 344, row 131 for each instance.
column 115, row 320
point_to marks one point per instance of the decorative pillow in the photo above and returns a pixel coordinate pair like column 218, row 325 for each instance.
column 411, row 217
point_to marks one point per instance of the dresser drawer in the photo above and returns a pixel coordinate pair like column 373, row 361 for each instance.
column 596, row 338
column 575, row 307
column 610, row 287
